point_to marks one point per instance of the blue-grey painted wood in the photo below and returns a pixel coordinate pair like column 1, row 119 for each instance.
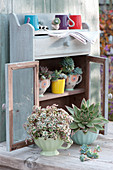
column 106, row 92
column 88, row 10
column 29, row 47
column 3, row 59
column 21, row 40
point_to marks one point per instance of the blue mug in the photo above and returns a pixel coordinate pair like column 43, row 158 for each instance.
column 33, row 20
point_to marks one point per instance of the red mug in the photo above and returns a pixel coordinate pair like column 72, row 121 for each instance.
column 77, row 20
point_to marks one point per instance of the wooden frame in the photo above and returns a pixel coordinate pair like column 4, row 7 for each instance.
column 9, row 98
column 105, row 80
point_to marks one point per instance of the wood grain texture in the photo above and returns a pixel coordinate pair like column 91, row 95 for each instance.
column 13, row 133
column 5, row 7
column 30, row 158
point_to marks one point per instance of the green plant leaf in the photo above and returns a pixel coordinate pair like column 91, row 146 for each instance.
column 99, row 127
column 90, row 124
column 83, row 104
column 93, row 130
column 81, row 125
column 73, row 125
column 76, row 120
column 104, row 120
column 96, row 107
column 76, row 109
column 91, row 107
column 70, row 110
column 96, row 121
column 88, row 102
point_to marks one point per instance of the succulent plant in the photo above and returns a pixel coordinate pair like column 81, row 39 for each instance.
column 44, row 73
column 84, row 158
column 67, row 65
column 49, row 122
column 77, row 70
column 58, row 75
column 98, row 148
column 87, row 117
column 84, row 148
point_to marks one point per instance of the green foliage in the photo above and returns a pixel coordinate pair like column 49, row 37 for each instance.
column 87, row 117
column 58, row 75
column 44, row 73
column 67, row 65
column 77, row 70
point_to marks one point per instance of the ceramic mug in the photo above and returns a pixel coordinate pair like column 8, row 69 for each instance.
column 72, row 81
column 33, row 20
column 64, row 24
column 77, row 20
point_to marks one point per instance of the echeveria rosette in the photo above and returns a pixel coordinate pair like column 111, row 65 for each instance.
column 49, row 122
column 87, row 117
column 67, row 65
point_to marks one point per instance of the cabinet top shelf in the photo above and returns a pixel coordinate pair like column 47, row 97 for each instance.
column 42, row 32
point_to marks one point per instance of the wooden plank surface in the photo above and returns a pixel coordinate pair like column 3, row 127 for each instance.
column 49, row 96
column 30, row 158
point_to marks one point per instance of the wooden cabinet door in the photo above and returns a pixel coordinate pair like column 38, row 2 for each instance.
column 22, row 92
column 104, row 80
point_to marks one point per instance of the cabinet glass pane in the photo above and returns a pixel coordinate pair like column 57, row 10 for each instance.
column 22, row 101
column 95, row 82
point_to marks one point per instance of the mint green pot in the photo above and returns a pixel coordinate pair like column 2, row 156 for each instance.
column 80, row 138
column 49, row 147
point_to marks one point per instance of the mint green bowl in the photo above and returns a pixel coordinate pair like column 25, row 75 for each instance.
column 49, row 146
column 80, row 138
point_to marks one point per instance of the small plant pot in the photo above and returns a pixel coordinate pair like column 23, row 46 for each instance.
column 49, row 146
column 72, row 81
column 80, row 138
column 44, row 84
column 58, row 86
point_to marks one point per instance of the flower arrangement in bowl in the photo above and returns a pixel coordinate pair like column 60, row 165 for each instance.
column 74, row 74
column 58, row 82
column 44, row 80
column 87, row 122
column 49, row 128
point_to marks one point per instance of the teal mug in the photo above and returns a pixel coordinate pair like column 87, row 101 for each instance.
column 33, row 20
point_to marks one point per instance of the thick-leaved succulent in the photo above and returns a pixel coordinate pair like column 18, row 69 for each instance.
column 49, row 122
column 87, row 117
column 44, row 73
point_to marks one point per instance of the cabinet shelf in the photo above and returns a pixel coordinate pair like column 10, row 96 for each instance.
column 49, row 96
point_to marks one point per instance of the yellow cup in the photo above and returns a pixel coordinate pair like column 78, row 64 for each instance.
column 58, row 86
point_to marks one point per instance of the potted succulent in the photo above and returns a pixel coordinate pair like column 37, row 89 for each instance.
column 44, row 80
column 49, row 129
column 74, row 74
column 58, row 82
column 87, row 122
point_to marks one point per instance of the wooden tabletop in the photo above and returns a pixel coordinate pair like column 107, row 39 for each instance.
column 29, row 158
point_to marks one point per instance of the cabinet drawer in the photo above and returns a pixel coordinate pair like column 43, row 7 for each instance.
column 48, row 47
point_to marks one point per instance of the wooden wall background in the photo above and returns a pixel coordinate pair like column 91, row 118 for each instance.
column 87, row 8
